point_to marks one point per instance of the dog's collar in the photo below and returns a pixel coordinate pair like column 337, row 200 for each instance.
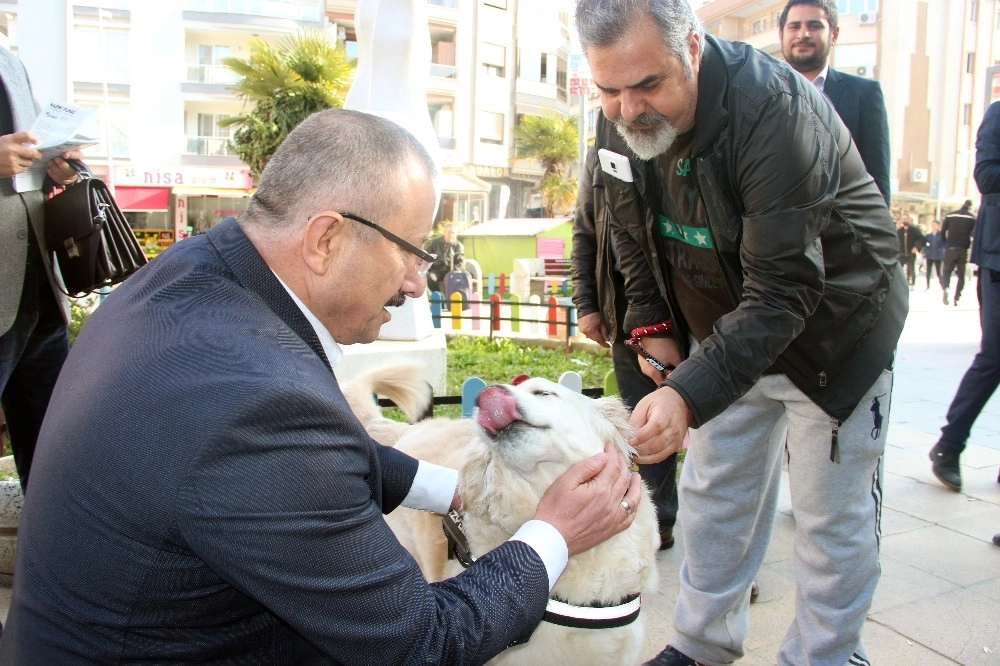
column 458, row 542
column 593, row 616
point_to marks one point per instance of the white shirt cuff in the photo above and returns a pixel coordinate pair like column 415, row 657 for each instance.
column 433, row 488
column 548, row 543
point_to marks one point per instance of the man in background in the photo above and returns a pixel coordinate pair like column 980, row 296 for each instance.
column 981, row 379
column 599, row 296
column 450, row 257
column 933, row 252
column 807, row 29
column 33, row 309
column 956, row 233
column 911, row 242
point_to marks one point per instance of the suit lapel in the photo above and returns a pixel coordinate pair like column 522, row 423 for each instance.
column 832, row 88
column 253, row 273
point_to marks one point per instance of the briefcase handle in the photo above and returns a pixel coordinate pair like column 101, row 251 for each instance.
column 82, row 170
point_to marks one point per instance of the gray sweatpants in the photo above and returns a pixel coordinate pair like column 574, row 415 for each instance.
column 728, row 497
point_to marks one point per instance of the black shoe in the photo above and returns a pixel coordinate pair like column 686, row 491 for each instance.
column 996, row 539
column 754, row 592
column 666, row 538
column 944, row 464
column 671, row 657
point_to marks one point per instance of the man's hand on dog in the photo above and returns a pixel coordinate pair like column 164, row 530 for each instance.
column 585, row 503
column 661, row 421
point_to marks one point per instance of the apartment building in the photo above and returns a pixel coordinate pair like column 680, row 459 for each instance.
column 932, row 58
column 492, row 61
column 151, row 73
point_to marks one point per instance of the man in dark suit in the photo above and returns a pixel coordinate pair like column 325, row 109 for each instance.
column 808, row 28
column 202, row 491
column 33, row 311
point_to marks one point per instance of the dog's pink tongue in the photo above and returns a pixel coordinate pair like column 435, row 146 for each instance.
column 497, row 408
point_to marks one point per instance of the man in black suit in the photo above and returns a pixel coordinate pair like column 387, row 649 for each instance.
column 202, row 491
column 808, row 28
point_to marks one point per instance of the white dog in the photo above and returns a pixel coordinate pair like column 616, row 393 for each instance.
column 523, row 438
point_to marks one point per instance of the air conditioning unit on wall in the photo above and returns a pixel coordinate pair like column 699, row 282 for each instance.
column 868, row 18
column 918, row 175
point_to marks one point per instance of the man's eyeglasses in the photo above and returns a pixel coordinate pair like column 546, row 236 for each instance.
column 426, row 258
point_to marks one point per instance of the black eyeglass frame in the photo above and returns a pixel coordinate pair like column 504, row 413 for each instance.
column 426, row 257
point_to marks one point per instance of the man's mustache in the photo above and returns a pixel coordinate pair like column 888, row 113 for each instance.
column 396, row 300
column 644, row 118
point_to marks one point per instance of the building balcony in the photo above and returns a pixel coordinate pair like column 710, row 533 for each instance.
column 207, row 145
column 211, row 74
column 443, row 71
column 443, row 11
column 310, row 11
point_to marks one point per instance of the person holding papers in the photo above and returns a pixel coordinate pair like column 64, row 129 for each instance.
column 33, row 310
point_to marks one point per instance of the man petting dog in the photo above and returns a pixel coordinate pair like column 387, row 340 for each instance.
column 760, row 260
column 201, row 490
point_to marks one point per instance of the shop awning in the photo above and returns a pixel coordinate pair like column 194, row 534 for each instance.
column 141, row 198
column 463, row 182
column 195, row 191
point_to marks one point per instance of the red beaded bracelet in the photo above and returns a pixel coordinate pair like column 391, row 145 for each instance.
column 645, row 331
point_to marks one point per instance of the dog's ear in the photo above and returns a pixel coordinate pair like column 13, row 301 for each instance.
column 616, row 415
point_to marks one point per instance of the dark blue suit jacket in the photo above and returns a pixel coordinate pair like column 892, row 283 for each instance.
column 202, row 492
column 860, row 104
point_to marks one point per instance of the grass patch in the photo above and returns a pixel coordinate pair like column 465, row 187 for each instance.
column 499, row 360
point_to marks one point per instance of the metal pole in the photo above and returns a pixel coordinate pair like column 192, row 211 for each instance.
column 103, row 292
column 107, row 104
column 583, row 134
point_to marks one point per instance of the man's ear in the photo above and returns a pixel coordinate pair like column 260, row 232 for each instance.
column 834, row 34
column 694, row 51
column 323, row 241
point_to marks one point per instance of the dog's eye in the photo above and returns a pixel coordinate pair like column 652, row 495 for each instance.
column 541, row 392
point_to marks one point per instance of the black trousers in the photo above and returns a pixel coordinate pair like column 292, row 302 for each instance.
column 933, row 265
column 954, row 260
column 983, row 376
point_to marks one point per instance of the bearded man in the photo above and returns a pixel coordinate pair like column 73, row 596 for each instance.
column 807, row 29
column 763, row 283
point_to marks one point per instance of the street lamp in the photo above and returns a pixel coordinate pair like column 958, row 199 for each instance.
column 101, row 15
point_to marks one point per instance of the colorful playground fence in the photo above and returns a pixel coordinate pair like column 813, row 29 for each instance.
column 552, row 317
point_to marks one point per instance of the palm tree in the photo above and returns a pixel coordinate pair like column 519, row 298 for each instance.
column 303, row 74
column 552, row 140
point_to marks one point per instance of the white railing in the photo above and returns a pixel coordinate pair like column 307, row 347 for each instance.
column 298, row 10
column 217, row 74
column 207, row 145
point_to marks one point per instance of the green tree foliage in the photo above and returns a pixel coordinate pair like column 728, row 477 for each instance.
column 552, row 140
column 286, row 83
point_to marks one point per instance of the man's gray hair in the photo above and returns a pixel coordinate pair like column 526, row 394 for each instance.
column 347, row 161
column 603, row 22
